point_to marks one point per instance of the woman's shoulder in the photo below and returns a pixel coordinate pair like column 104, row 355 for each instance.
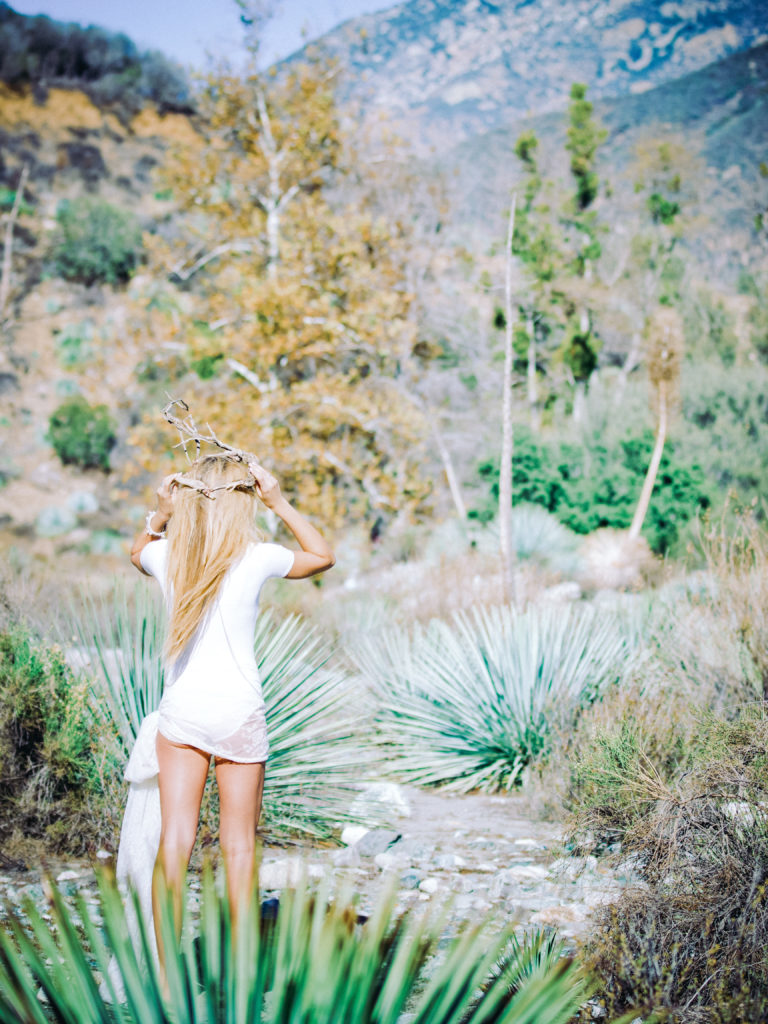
column 271, row 558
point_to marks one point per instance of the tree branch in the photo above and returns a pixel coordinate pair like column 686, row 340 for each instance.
column 5, row 280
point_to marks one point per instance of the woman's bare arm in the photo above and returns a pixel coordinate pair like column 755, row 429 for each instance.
column 157, row 522
column 316, row 554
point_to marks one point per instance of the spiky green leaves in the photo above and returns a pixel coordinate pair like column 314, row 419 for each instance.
column 313, row 965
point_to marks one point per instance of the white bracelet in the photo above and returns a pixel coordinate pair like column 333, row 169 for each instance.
column 147, row 525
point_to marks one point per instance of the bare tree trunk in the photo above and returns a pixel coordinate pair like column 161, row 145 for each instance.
column 450, row 473
column 505, row 469
column 632, row 360
column 653, row 469
column 533, row 383
column 5, row 278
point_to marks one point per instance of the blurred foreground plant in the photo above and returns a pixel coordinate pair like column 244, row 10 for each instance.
column 470, row 702
column 312, row 761
column 314, row 963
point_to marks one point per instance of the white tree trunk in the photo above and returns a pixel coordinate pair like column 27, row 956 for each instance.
column 505, row 469
column 450, row 473
column 5, row 278
column 650, row 477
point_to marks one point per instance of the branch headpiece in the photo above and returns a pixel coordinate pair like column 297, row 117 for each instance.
column 191, row 435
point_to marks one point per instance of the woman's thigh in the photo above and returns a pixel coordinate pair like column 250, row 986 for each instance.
column 240, row 791
column 183, row 771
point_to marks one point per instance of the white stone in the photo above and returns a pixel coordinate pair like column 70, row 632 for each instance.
column 352, row 834
column 381, row 800
column 285, row 874
column 528, row 844
column 526, row 872
column 67, row 876
column 104, row 855
column 429, row 885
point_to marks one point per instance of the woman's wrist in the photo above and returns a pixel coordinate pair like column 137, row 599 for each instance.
column 156, row 522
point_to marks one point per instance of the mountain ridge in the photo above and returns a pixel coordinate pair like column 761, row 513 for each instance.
column 444, row 70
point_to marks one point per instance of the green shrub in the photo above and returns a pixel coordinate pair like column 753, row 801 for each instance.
column 82, row 434
column 52, row 758
column 589, row 487
column 96, row 241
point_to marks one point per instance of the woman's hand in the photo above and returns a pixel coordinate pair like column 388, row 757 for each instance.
column 166, row 495
column 267, row 487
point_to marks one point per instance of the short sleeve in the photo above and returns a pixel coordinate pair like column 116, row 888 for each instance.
column 152, row 558
column 278, row 561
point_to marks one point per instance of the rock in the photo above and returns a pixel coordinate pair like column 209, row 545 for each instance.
column 410, row 880
column 377, row 840
column 391, row 860
column 381, row 800
column 526, row 872
column 429, row 885
column 529, row 844
column 104, row 855
column 486, row 866
column 348, row 857
column 449, row 860
column 569, row 913
column 352, row 834
column 284, row 874
column 416, row 850
column 67, row 876
column 571, row 868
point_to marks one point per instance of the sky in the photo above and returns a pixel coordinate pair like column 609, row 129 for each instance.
column 189, row 29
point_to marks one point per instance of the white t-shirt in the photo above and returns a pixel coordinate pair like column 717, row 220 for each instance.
column 212, row 699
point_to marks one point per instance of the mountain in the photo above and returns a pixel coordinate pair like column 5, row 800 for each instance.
column 719, row 115
column 444, row 70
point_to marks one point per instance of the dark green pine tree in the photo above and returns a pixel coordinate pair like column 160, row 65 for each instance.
column 580, row 346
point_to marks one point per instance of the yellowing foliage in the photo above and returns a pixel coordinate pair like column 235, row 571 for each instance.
column 173, row 128
column 292, row 308
column 64, row 108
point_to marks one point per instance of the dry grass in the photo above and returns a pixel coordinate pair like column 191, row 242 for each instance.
column 690, row 943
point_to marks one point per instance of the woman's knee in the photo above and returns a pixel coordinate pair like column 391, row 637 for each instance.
column 237, row 845
column 176, row 845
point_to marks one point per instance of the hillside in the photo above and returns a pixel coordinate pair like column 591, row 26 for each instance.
column 718, row 115
column 445, row 71
column 64, row 338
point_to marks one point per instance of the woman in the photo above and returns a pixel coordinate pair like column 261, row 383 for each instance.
column 202, row 546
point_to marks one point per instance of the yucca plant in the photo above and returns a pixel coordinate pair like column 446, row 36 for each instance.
column 469, row 702
column 313, row 964
column 310, row 710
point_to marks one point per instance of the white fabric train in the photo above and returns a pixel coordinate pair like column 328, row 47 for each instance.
column 139, row 839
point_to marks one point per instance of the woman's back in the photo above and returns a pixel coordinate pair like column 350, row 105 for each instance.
column 213, row 698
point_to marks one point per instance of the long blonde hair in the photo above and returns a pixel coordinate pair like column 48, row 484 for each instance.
column 206, row 536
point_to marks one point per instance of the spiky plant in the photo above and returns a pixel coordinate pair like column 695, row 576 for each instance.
column 468, row 703
column 313, row 964
column 310, row 713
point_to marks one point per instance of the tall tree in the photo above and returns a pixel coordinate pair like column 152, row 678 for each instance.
column 581, row 231
column 535, row 245
column 291, row 306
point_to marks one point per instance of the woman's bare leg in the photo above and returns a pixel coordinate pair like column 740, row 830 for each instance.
column 183, row 771
column 240, row 791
